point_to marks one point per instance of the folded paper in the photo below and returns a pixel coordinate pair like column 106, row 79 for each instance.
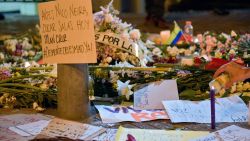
column 231, row 133
column 157, row 135
column 152, row 95
column 230, row 109
column 114, row 114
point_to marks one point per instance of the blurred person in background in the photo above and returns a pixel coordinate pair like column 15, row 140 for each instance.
column 155, row 11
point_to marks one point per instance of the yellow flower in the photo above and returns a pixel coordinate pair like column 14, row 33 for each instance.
column 218, row 54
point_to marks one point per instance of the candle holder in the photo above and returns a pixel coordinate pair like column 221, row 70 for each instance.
column 165, row 36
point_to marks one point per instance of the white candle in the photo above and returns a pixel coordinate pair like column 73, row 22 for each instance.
column 164, row 36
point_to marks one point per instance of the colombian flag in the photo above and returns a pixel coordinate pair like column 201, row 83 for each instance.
column 176, row 36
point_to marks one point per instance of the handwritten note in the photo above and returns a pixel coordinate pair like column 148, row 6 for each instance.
column 231, row 133
column 73, row 130
column 108, row 135
column 157, row 135
column 114, row 114
column 151, row 96
column 67, row 31
column 15, row 120
column 230, row 109
column 30, row 129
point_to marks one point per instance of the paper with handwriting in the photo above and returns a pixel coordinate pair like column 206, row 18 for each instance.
column 73, row 130
column 114, row 114
column 152, row 95
column 108, row 135
column 15, row 120
column 30, row 129
column 231, row 133
column 157, row 135
column 67, row 31
column 230, row 109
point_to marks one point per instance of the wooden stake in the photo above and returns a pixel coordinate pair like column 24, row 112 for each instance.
column 73, row 103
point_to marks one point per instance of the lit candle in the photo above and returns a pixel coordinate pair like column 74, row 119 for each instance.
column 212, row 99
column 164, row 36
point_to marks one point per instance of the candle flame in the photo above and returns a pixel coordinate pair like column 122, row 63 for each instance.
column 212, row 88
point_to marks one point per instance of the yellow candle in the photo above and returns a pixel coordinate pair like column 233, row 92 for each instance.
column 164, row 36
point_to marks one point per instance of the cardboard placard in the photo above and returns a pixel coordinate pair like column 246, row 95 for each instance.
column 67, row 31
column 116, row 41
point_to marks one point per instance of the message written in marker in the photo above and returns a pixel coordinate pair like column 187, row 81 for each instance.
column 67, row 31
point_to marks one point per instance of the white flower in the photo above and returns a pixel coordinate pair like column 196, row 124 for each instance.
column 25, row 53
column 26, row 45
column 108, row 59
column 125, row 35
column 44, row 86
column 233, row 34
column 1, row 56
column 232, row 51
column 192, row 48
column 188, row 52
column 233, row 88
column 31, row 53
column 91, row 97
column 174, row 51
column 35, row 105
column 182, row 50
column 169, row 48
column 108, row 18
column 125, row 25
column 221, row 92
column 124, row 88
column 156, row 51
column 135, row 34
column 239, row 86
column 246, row 86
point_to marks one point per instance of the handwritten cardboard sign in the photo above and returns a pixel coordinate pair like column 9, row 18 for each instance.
column 67, row 31
column 116, row 41
column 114, row 114
column 73, row 130
column 157, row 135
column 152, row 95
column 230, row 109
column 231, row 133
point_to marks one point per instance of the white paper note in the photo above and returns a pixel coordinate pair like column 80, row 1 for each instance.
column 152, row 95
column 73, row 130
column 231, row 133
column 108, row 135
column 30, row 129
column 114, row 114
column 230, row 109
column 125, row 134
